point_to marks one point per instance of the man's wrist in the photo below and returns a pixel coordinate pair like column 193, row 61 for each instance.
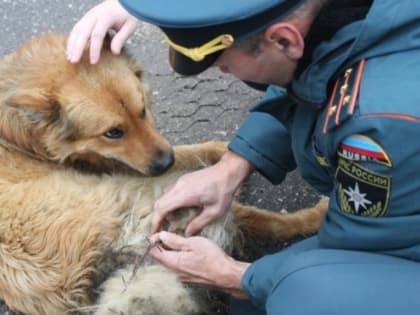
column 235, row 167
column 232, row 274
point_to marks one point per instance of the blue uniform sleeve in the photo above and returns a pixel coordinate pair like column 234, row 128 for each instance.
column 263, row 275
column 264, row 141
column 374, row 204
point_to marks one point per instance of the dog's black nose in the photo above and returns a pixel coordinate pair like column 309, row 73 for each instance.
column 162, row 162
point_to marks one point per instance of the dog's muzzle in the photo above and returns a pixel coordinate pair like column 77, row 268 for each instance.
column 161, row 163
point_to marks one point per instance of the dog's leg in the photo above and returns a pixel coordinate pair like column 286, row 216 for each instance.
column 272, row 225
column 195, row 156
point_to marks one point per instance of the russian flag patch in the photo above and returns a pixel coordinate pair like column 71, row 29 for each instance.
column 362, row 148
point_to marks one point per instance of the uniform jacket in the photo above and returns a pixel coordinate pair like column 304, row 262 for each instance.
column 350, row 123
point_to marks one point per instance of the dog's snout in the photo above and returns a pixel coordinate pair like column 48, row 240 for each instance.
column 163, row 161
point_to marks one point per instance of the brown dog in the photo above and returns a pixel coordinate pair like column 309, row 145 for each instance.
column 76, row 145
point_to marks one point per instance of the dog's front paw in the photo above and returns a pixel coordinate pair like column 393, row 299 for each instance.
column 153, row 290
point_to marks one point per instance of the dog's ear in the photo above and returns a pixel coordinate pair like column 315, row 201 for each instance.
column 34, row 105
column 139, row 73
column 40, row 111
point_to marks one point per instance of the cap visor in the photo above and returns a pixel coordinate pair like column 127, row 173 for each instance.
column 185, row 66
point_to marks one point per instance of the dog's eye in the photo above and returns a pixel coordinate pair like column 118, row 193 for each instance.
column 114, row 133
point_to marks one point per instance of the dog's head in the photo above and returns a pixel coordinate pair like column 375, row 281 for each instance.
column 94, row 114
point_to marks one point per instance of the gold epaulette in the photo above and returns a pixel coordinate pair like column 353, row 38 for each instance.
column 344, row 96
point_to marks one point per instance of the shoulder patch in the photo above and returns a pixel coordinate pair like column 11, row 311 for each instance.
column 361, row 191
column 362, row 148
column 344, row 96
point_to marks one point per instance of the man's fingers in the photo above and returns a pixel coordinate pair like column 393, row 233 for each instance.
column 167, row 203
column 199, row 222
column 159, row 214
column 79, row 38
column 171, row 251
column 173, row 241
column 97, row 40
column 76, row 47
column 156, row 223
column 154, row 238
column 122, row 35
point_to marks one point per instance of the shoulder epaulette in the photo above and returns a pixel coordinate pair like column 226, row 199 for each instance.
column 344, row 96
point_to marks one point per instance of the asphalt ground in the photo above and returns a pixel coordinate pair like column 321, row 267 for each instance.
column 210, row 106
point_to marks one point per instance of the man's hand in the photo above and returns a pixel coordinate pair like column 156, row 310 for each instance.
column 92, row 28
column 199, row 261
column 211, row 189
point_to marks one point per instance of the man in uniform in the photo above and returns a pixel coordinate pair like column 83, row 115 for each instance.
column 341, row 104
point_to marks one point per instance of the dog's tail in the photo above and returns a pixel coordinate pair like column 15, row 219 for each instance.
column 265, row 224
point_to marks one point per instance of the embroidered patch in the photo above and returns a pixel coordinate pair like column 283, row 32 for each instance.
column 362, row 148
column 361, row 191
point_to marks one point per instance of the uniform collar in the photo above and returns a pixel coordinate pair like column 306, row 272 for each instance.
column 326, row 49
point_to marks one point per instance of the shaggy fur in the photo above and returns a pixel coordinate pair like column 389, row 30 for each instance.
column 77, row 144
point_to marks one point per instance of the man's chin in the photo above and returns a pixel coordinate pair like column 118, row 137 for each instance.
column 257, row 86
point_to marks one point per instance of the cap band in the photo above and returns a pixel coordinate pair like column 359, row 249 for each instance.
column 199, row 53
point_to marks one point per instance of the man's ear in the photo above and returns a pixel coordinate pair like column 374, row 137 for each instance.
column 34, row 105
column 286, row 37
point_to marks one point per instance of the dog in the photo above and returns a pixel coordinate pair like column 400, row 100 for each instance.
column 82, row 165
